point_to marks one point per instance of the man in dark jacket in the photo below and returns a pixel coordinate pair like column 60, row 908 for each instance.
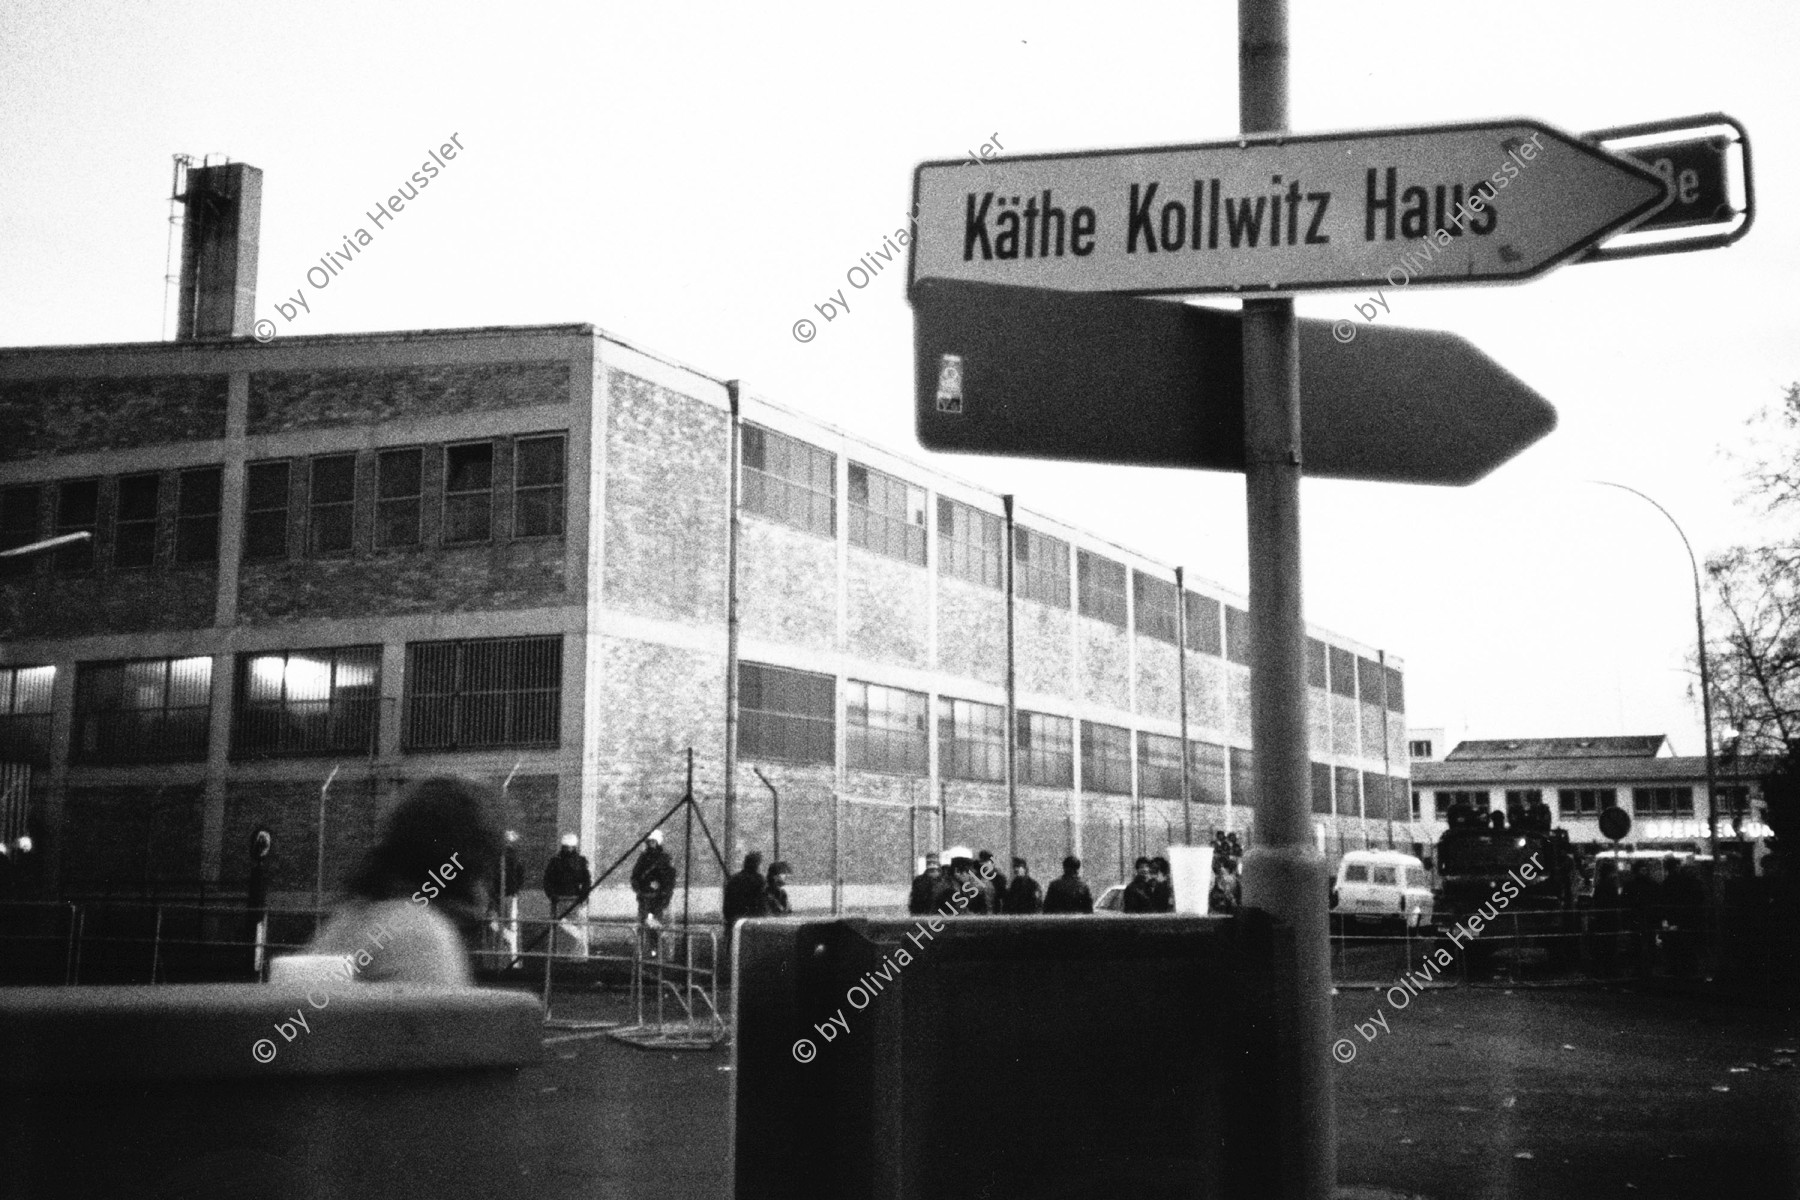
column 565, row 878
column 1069, row 894
column 927, row 888
column 1138, row 896
column 1023, row 895
column 653, row 879
column 746, row 893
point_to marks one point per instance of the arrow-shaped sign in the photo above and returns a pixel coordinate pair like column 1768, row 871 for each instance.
column 1112, row 379
column 1498, row 201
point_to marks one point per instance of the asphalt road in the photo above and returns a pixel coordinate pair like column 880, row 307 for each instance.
column 1475, row 1093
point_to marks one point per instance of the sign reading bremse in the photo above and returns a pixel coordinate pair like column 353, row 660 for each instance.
column 1449, row 204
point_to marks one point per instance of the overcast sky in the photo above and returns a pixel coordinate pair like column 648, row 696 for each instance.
column 695, row 178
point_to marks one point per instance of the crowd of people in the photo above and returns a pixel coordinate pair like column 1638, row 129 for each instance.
column 445, row 816
column 989, row 892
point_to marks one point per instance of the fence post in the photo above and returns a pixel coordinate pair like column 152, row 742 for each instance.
column 72, row 965
column 156, row 944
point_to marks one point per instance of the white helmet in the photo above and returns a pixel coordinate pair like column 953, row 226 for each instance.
column 570, row 841
column 655, row 836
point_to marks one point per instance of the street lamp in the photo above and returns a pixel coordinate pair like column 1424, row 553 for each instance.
column 1712, row 802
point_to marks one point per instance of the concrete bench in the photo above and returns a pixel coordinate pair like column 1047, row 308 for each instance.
column 248, row 1090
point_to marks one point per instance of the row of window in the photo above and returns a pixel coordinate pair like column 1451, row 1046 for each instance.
column 1577, row 802
column 176, row 508
column 1348, row 792
column 329, row 494
column 789, row 481
column 459, row 695
column 790, row 716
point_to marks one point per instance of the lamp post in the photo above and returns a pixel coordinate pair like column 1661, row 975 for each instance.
column 1706, row 731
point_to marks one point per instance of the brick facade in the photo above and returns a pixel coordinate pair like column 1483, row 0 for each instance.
column 44, row 418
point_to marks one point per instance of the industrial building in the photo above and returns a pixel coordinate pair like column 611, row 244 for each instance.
column 324, row 566
column 1578, row 778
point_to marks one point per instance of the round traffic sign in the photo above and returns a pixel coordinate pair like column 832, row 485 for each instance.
column 1615, row 823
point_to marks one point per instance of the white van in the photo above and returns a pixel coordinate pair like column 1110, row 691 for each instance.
column 1382, row 886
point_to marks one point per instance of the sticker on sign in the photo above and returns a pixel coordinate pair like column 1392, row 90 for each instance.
column 1505, row 200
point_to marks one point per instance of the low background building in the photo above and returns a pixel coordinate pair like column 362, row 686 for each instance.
column 1578, row 778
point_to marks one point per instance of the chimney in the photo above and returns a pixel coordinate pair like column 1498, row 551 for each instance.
column 218, row 251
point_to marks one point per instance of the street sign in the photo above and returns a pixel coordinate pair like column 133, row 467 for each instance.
column 1697, row 176
column 1113, row 379
column 1615, row 823
column 1704, row 162
column 1498, row 201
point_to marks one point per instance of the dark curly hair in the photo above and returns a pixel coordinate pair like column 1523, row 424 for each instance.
column 435, row 819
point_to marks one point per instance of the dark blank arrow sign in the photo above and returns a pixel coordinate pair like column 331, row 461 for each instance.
column 1087, row 377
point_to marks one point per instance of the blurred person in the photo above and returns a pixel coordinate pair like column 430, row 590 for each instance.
column 1162, row 889
column 1138, row 898
column 966, row 897
column 746, row 893
column 1640, row 894
column 1068, row 893
column 1023, row 896
column 1223, row 898
column 506, row 897
column 256, row 897
column 418, row 897
column 776, row 900
column 1604, row 920
column 1684, row 905
column 928, row 888
column 653, row 879
column 566, row 883
column 991, row 880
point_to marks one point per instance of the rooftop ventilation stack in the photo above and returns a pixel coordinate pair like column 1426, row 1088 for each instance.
column 218, row 251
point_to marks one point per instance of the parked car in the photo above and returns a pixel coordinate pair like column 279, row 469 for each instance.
column 1382, row 887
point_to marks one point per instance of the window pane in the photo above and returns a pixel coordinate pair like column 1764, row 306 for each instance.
column 77, row 509
column 971, row 740
column 1159, row 766
column 1206, row 772
column 884, row 729
column 150, row 710
column 886, row 515
column 197, row 525
column 134, row 524
column 1105, row 758
column 538, row 487
column 331, row 516
column 469, row 468
column 1155, row 601
column 1343, row 671
column 540, row 461
column 1046, row 752
column 484, row 693
column 265, row 510
column 1102, row 587
column 1040, row 568
column 1203, row 628
column 789, row 481
column 1237, row 635
column 786, row 715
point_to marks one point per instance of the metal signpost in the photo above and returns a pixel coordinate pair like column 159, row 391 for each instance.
column 1012, row 359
